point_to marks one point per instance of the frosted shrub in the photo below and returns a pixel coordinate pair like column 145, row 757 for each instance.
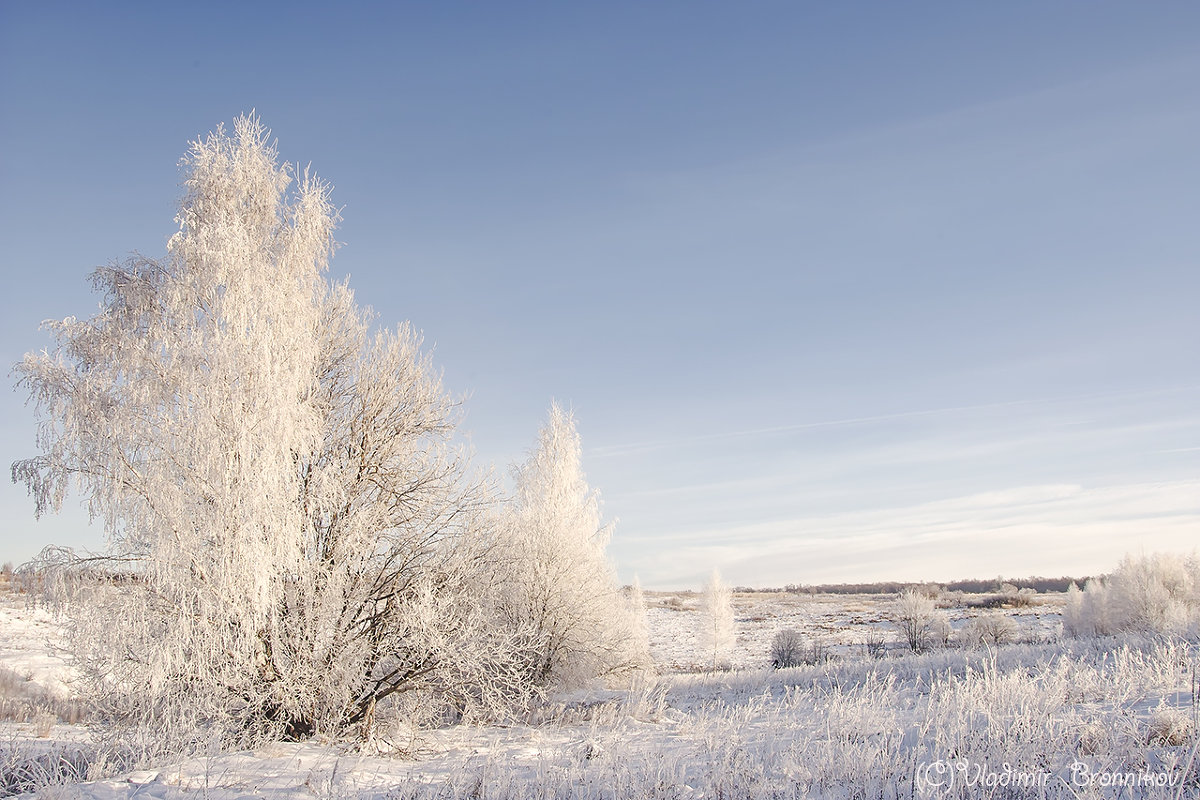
column 1092, row 737
column 988, row 630
column 1074, row 615
column 787, row 649
column 1169, row 726
column 920, row 622
column 293, row 538
column 941, row 632
column 1013, row 597
column 875, row 645
column 1089, row 612
column 1151, row 594
column 1158, row 593
column 41, row 769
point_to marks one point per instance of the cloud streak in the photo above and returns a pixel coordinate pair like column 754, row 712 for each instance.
column 1070, row 529
column 634, row 448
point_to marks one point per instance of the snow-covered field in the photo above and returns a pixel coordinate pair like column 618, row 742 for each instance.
column 842, row 623
column 1040, row 717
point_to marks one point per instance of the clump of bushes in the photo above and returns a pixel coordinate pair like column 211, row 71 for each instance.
column 1157, row 594
column 1018, row 598
column 988, row 630
column 1009, row 596
column 789, row 648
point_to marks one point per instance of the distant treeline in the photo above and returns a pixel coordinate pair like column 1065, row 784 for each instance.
column 979, row 586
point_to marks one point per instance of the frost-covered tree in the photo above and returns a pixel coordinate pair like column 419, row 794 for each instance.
column 301, row 540
column 716, row 619
column 562, row 590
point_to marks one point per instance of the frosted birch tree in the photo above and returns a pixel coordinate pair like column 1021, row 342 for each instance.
column 716, row 619
column 563, row 589
column 303, row 542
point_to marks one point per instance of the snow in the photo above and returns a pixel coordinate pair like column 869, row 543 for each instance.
column 30, row 645
column 841, row 622
column 854, row 726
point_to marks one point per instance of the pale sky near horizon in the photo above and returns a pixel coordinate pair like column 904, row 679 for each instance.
column 837, row 292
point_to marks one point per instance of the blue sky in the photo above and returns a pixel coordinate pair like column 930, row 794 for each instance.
column 837, row 292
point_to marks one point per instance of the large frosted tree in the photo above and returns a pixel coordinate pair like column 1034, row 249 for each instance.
column 563, row 590
column 303, row 541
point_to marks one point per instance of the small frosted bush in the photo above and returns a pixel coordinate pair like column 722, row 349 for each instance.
column 1013, row 597
column 1169, row 726
column 786, row 648
column 921, row 624
column 875, row 645
column 789, row 649
column 988, row 630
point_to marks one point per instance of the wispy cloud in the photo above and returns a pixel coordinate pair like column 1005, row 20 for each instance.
column 1062, row 528
column 632, row 448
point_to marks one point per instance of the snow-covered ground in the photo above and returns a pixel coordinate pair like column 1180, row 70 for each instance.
column 1042, row 718
column 842, row 623
column 30, row 642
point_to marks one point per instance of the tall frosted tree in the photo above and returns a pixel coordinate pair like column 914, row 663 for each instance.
column 563, row 589
column 303, row 540
column 716, row 619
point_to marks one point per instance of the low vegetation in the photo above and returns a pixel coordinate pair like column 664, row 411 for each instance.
column 823, row 720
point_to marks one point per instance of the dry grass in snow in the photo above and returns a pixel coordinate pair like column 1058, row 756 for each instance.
column 1041, row 718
